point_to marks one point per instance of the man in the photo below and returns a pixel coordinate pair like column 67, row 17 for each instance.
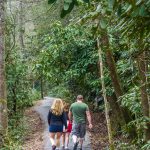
column 80, row 113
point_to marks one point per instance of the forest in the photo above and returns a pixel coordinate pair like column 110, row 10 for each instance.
column 97, row 48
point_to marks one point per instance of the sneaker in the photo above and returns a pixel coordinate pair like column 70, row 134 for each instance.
column 53, row 147
column 75, row 146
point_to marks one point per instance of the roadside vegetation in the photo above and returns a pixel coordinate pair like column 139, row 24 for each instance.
column 99, row 49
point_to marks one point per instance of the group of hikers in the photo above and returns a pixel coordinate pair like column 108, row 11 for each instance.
column 64, row 119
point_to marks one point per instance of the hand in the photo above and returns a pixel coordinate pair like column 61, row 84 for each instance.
column 65, row 130
column 90, row 126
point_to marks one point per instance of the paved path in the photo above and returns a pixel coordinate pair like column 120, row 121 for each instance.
column 43, row 111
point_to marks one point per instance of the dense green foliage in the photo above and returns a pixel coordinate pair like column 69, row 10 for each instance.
column 19, row 77
column 126, row 26
column 69, row 56
column 60, row 58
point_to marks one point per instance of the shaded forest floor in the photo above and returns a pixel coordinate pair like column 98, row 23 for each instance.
column 34, row 140
column 99, row 138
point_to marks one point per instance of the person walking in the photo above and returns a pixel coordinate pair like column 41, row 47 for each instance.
column 56, row 120
column 80, row 113
column 66, row 135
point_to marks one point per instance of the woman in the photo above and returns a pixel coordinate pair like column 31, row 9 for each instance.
column 66, row 134
column 56, row 120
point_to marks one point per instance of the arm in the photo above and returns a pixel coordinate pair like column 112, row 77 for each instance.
column 88, row 115
column 64, row 119
column 49, row 117
column 70, row 115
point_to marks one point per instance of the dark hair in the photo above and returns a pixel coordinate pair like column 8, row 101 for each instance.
column 79, row 97
column 66, row 106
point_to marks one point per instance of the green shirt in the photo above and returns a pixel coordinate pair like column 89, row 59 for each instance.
column 78, row 110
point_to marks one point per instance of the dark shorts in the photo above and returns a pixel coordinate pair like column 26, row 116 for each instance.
column 79, row 129
column 55, row 128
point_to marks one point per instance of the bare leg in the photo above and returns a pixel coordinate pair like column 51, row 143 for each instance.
column 63, row 139
column 81, row 142
column 52, row 138
column 67, row 139
column 58, row 135
column 75, row 141
column 74, row 137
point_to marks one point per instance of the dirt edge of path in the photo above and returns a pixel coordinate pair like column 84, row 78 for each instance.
column 34, row 138
column 35, row 128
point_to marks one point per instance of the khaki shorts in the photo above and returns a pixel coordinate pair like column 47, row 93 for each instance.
column 79, row 129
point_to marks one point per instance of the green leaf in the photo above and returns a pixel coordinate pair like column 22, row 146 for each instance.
column 51, row 1
column 66, row 6
column 138, row 2
column 98, row 9
column 68, row 1
column 111, row 3
column 86, row 1
column 142, row 11
column 65, row 12
column 119, row 11
column 135, row 13
column 129, row 9
column 103, row 23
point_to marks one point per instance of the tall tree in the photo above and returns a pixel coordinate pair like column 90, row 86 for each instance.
column 21, row 30
column 107, row 109
column 115, row 78
column 3, row 102
column 143, row 88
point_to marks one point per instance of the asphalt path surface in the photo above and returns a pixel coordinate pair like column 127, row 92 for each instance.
column 42, row 110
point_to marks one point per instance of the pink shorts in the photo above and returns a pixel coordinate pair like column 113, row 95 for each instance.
column 69, row 128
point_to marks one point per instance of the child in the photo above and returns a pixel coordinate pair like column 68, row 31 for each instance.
column 65, row 135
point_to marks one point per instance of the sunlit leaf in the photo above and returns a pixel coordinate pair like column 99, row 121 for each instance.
column 68, row 1
column 129, row 8
column 103, row 23
column 138, row 2
column 142, row 11
column 98, row 9
column 65, row 12
column 111, row 3
column 66, row 6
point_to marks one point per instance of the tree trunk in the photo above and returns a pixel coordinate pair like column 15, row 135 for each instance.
column 109, row 128
column 21, row 29
column 3, row 101
column 115, row 78
column 113, row 73
column 116, row 117
column 144, row 95
column 147, row 62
